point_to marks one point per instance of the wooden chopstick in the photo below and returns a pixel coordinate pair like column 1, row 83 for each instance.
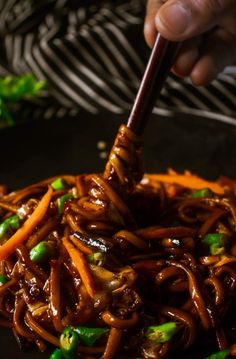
column 161, row 60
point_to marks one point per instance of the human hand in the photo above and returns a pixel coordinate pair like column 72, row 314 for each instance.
column 208, row 29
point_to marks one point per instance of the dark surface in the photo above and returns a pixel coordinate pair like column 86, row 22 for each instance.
column 38, row 150
column 41, row 149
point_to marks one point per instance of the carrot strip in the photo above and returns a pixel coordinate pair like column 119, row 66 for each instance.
column 225, row 260
column 189, row 181
column 27, row 228
column 233, row 350
column 226, row 181
column 81, row 265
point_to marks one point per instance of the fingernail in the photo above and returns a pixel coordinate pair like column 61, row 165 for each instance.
column 175, row 17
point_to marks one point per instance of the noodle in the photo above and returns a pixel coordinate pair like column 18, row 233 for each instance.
column 129, row 268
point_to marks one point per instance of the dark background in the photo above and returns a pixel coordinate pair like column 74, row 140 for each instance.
column 37, row 150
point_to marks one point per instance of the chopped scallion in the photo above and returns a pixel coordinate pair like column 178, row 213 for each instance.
column 3, row 279
column 14, row 88
column 161, row 333
column 57, row 354
column 214, row 242
column 62, row 200
column 202, row 193
column 220, row 355
column 89, row 336
column 58, row 184
column 42, row 252
column 97, row 258
column 68, row 342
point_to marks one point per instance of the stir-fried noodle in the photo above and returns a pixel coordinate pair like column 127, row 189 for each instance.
column 112, row 266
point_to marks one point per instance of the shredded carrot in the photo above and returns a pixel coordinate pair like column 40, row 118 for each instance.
column 81, row 265
column 187, row 180
column 233, row 350
column 225, row 260
column 27, row 228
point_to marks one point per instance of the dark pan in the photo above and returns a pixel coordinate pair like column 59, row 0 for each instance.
column 35, row 151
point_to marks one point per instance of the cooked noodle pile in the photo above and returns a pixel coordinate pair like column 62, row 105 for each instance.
column 112, row 266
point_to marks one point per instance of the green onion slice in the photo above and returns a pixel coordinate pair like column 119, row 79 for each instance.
column 3, row 279
column 161, row 333
column 89, row 336
column 69, row 342
column 214, row 242
column 42, row 252
column 202, row 193
column 97, row 258
column 57, row 354
column 220, row 355
column 58, row 184
column 62, row 200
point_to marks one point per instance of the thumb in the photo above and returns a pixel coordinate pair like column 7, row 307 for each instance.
column 179, row 20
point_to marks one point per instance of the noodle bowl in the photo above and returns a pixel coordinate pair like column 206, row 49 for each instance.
column 119, row 265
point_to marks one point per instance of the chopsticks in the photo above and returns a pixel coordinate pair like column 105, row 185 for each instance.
column 161, row 60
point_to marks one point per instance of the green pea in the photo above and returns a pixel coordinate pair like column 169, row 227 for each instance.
column 14, row 221
column 3, row 228
column 11, row 222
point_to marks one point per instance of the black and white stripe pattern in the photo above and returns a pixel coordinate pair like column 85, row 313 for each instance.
column 92, row 55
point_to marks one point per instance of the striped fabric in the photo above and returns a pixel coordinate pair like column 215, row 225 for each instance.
column 92, row 55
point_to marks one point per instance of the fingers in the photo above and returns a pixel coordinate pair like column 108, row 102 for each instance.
column 202, row 57
column 188, row 57
column 219, row 52
column 179, row 20
column 150, row 30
